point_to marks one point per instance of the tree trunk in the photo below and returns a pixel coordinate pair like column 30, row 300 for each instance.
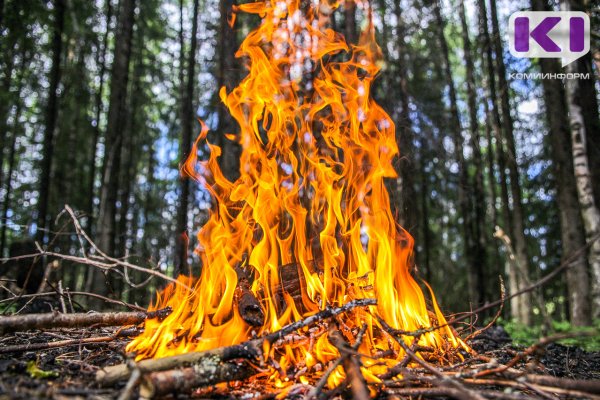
column 585, row 184
column 114, row 135
column 478, row 251
column 571, row 226
column 99, row 106
column 50, row 120
column 405, row 194
column 187, row 124
column 227, row 76
column 517, row 215
column 350, row 31
column 519, row 305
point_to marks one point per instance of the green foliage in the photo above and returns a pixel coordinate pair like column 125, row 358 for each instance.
column 589, row 339
column 37, row 373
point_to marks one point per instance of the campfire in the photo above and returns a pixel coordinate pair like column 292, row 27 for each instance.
column 308, row 226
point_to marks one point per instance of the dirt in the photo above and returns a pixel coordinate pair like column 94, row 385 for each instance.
column 68, row 372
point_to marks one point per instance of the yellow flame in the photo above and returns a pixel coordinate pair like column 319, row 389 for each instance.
column 311, row 193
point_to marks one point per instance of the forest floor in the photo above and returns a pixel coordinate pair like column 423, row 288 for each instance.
column 69, row 372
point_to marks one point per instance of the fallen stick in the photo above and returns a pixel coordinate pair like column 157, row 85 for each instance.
column 251, row 349
column 460, row 391
column 351, row 366
column 16, row 323
column 449, row 392
column 209, row 372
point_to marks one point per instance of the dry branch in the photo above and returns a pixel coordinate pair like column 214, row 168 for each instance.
column 351, row 365
column 15, row 323
column 209, row 372
column 251, row 349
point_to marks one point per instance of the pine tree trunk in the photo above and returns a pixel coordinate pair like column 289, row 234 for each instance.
column 585, row 184
column 50, row 120
column 405, row 194
column 571, row 226
column 98, row 106
column 517, row 215
column 350, row 31
column 478, row 250
column 228, row 75
column 114, row 136
column 463, row 184
column 187, row 122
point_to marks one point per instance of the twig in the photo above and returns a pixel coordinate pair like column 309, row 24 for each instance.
column 493, row 321
column 69, row 293
column 53, row 345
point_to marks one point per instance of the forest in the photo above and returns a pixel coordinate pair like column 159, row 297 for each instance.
column 311, row 199
column 497, row 177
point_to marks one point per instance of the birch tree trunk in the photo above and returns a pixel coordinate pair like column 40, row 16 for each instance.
column 585, row 185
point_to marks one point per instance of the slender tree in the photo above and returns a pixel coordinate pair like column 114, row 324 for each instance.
column 187, row 123
column 227, row 76
column 405, row 194
column 350, row 31
column 478, row 250
column 590, row 212
column 50, row 118
column 114, row 133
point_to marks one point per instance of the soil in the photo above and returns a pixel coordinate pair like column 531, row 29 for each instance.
column 68, row 372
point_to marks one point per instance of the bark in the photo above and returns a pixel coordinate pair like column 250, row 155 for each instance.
column 350, row 31
column 571, row 225
column 583, row 175
column 114, row 136
column 463, row 179
column 228, row 75
column 187, row 121
column 185, row 380
column 50, row 120
column 405, row 194
column 478, row 250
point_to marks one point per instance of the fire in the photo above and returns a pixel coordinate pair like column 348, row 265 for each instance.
column 310, row 199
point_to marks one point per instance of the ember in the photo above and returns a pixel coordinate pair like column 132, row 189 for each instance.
column 307, row 229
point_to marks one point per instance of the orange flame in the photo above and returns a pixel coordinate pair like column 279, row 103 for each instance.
column 311, row 194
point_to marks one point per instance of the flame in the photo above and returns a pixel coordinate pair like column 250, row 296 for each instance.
column 310, row 197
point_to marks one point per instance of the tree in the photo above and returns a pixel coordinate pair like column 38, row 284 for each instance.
column 571, row 227
column 227, row 76
column 50, row 119
column 187, row 124
column 404, row 195
column 477, row 251
column 114, row 133
column 585, row 184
